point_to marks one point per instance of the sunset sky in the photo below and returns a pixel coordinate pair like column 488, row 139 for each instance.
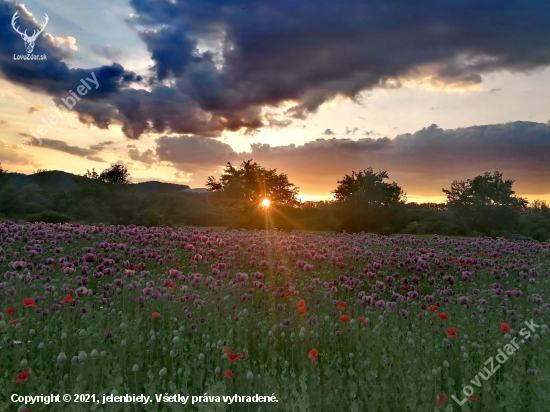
column 431, row 91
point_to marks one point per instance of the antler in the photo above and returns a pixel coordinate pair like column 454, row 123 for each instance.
column 15, row 17
column 35, row 34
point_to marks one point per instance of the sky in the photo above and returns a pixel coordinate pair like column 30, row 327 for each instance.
column 429, row 91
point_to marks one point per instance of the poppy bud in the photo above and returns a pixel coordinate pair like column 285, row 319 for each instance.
column 163, row 373
column 102, row 354
column 82, row 357
column 41, row 345
column 249, row 376
column 123, row 343
column 61, row 358
column 135, row 368
column 201, row 356
column 23, row 363
column 176, row 340
column 446, row 364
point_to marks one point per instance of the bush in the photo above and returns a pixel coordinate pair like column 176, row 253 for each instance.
column 48, row 217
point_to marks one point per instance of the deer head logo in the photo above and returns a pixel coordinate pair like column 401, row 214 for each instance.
column 29, row 40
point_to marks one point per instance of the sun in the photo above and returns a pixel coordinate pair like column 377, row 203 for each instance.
column 266, row 203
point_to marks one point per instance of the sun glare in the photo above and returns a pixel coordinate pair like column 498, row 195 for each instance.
column 266, row 203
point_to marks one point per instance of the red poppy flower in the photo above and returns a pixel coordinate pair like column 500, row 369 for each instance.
column 10, row 311
column 443, row 316
column 178, row 265
column 233, row 357
column 15, row 322
column 138, row 268
column 301, row 310
column 172, row 286
column 442, row 399
column 345, row 318
column 362, row 321
column 473, row 398
column 433, row 308
column 286, row 295
column 504, row 327
column 28, row 302
column 225, row 349
column 22, row 376
column 241, row 354
column 313, row 354
column 155, row 317
column 68, row 299
column 450, row 258
column 227, row 373
column 301, row 303
column 405, row 287
column 342, row 306
column 452, row 333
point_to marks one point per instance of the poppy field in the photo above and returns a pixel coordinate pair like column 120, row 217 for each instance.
column 342, row 322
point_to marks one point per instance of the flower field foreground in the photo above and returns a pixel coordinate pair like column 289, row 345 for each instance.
column 321, row 322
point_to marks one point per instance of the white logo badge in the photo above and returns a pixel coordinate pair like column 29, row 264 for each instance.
column 29, row 40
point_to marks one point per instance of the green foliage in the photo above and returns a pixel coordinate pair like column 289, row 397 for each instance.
column 486, row 203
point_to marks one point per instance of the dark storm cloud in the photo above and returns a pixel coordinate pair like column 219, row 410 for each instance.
column 266, row 52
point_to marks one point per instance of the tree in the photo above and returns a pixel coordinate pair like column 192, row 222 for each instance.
column 369, row 187
column 487, row 202
column 3, row 176
column 540, row 207
column 116, row 174
column 245, row 186
column 367, row 202
column 91, row 175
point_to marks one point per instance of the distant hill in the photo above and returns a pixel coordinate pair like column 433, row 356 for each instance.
column 196, row 190
column 58, row 181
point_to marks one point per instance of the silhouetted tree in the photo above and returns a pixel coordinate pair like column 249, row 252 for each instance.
column 116, row 174
column 367, row 202
column 244, row 187
column 91, row 175
column 487, row 202
column 540, row 207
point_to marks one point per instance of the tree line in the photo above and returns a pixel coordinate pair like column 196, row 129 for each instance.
column 251, row 196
